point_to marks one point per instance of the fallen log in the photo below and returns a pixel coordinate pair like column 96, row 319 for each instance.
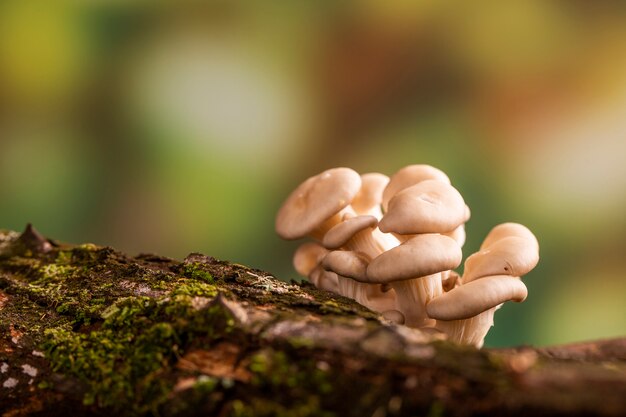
column 86, row 330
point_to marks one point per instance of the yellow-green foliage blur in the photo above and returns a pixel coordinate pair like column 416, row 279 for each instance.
column 181, row 126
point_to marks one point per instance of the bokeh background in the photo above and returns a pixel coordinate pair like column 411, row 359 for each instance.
column 181, row 126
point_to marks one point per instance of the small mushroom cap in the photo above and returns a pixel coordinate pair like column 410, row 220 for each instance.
column 342, row 232
column 511, row 255
column 307, row 257
column 428, row 207
column 475, row 297
column 370, row 196
column 408, row 176
column 508, row 229
column 393, row 316
column 316, row 200
column 324, row 280
column 347, row 263
column 419, row 256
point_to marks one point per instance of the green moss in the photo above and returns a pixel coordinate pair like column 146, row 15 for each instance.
column 194, row 288
column 276, row 372
column 64, row 257
column 56, row 272
column 126, row 359
column 195, row 270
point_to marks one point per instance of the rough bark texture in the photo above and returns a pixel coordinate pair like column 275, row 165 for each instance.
column 86, row 330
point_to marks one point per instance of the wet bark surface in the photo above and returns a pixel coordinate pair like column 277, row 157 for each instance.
column 87, row 330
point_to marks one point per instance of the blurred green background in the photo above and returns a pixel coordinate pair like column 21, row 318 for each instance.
column 174, row 127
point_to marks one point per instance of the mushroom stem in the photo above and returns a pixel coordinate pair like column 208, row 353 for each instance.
column 367, row 245
column 471, row 331
column 412, row 295
column 320, row 231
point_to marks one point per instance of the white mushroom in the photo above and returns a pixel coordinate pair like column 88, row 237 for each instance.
column 348, row 264
column 307, row 262
column 354, row 235
column 509, row 249
column 315, row 205
column 491, row 277
column 307, row 257
column 414, row 271
column 507, row 230
column 430, row 206
column 477, row 296
column 408, row 176
column 465, row 313
column 350, row 268
column 458, row 234
column 324, row 280
column 369, row 198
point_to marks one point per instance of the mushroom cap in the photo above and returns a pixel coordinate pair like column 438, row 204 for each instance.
column 370, row 196
column 315, row 200
column 393, row 316
column 342, row 232
column 458, row 235
column 508, row 229
column 408, row 176
column 511, row 255
column 431, row 206
column 475, row 297
column 307, row 257
column 419, row 256
column 324, row 280
column 347, row 263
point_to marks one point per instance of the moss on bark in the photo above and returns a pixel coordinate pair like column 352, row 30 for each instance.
column 94, row 331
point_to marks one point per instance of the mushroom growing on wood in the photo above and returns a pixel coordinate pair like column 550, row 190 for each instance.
column 307, row 262
column 414, row 271
column 350, row 268
column 355, row 236
column 392, row 245
column 491, row 277
column 465, row 313
column 315, row 205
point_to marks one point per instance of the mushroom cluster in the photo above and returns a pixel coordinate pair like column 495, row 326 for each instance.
column 392, row 244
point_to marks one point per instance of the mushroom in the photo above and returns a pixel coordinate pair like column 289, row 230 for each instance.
column 408, row 176
column 506, row 230
column 315, row 205
column 347, row 264
column 307, row 262
column 324, row 280
column 458, row 234
column 450, row 280
column 509, row 248
column 430, row 206
column 355, row 236
column 350, row 268
column 355, row 233
column 307, row 257
column 477, row 296
column 414, row 271
column 369, row 198
column 465, row 313
column 491, row 277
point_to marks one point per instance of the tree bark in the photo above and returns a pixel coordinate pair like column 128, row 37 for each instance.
column 87, row 330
